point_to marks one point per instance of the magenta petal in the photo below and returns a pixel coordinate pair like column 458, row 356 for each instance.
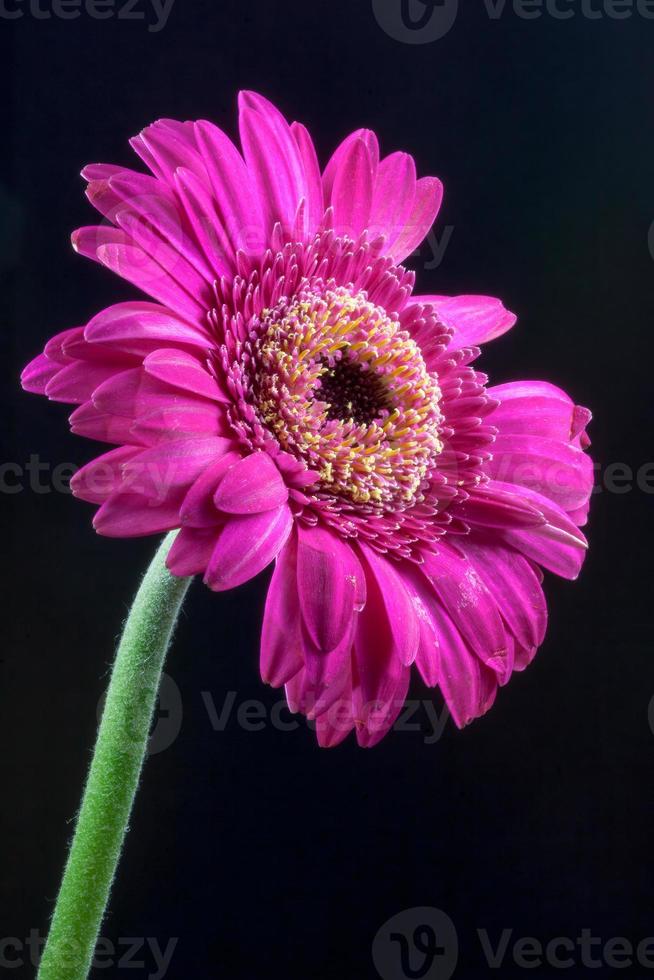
column 191, row 551
column 333, row 167
column 140, row 327
column 96, row 481
column 423, row 598
column 246, row 546
column 554, row 469
column 273, row 160
column 251, row 485
column 184, row 371
column 474, row 319
column 401, row 612
column 514, row 585
column 88, row 421
column 393, row 197
column 488, row 506
column 558, row 545
column 132, row 515
column 469, row 687
column 281, row 640
column 351, row 196
column 470, row 605
column 534, row 408
column 331, row 585
column 38, row 374
column 335, row 724
column 76, row 382
column 198, row 509
column 160, row 471
column 426, row 205
column 315, row 205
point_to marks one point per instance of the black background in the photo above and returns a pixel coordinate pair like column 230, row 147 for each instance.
column 262, row 854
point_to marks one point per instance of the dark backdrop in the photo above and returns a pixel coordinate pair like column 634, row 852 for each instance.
column 261, row 854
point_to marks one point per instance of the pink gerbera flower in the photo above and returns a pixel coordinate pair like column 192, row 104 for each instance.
column 287, row 398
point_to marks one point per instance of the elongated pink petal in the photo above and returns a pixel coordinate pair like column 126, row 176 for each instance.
column 474, row 319
column 250, row 486
column 246, row 546
column 141, row 327
column 38, row 374
column 351, row 196
column 330, row 583
column 273, row 160
column 468, row 686
column 470, row 606
column 184, row 371
column 281, row 639
column 198, row 509
column 133, row 515
column 335, row 163
column 514, row 585
column 393, row 197
column 158, row 472
column 96, row 481
column 400, row 610
column 426, row 205
column 315, row 205
column 191, row 551
column 555, row 469
column 76, row 382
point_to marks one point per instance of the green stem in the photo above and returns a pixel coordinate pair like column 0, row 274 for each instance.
column 114, row 774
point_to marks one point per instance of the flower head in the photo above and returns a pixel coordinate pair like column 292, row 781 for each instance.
column 285, row 396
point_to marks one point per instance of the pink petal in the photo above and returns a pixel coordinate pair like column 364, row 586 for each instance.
column 184, row 371
column 331, row 585
column 468, row 686
column 96, row 481
column 426, row 205
column 393, row 197
column 281, row 641
column 333, row 167
column 514, row 585
column 315, row 205
column 191, row 551
column 555, row 469
column 76, row 382
column 198, row 509
column 557, row 545
column 132, row 515
column 400, row 610
column 141, row 327
column 246, row 546
column 351, row 196
column 470, row 605
column 273, row 160
column 38, row 374
column 160, row 471
column 534, row 408
column 250, row 486
column 474, row 319
column 237, row 207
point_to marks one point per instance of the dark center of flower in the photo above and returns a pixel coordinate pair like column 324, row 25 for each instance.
column 352, row 393
column 343, row 388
